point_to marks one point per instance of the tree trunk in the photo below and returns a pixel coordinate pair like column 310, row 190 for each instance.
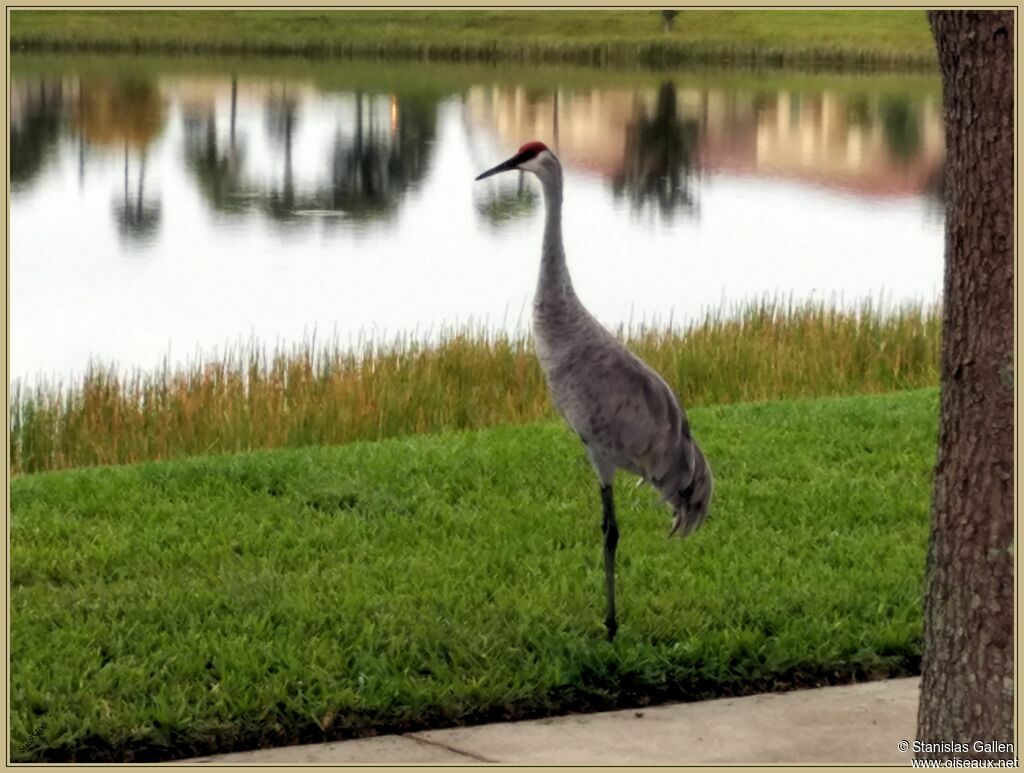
column 967, row 679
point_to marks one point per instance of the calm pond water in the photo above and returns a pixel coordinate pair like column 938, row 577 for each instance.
column 168, row 206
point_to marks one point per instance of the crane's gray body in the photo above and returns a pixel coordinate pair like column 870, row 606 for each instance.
column 625, row 413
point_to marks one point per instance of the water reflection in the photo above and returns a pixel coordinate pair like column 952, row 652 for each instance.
column 368, row 160
column 652, row 145
column 137, row 217
column 281, row 115
column 901, row 124
column 373, row 169
column 216, row 165
column 127, row 111
column 126, row 114
column 660, row 157
column 246, row 190
column 648, row 145
column 37, row 114
column 502, row 201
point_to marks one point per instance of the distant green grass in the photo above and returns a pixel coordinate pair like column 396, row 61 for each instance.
column 895, row 38
column 171, row 609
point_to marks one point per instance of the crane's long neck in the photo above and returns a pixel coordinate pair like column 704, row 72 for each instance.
column 554, row 282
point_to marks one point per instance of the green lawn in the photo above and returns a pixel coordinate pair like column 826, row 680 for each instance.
column 209, row 604
column 880, row 37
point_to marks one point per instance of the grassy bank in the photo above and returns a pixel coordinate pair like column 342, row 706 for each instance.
column 865, row 38
column 316, row 394
column 171, row 609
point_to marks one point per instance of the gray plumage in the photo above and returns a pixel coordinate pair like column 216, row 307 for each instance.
column 623, row 411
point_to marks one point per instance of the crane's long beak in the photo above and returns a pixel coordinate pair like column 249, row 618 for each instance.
column 505, row 166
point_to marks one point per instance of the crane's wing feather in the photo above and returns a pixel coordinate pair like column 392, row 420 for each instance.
column 652, row 426
column 624, row 408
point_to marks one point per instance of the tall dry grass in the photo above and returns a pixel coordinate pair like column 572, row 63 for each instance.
column 315, row 393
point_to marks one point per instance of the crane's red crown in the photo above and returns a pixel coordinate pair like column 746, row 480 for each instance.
column 534, row 148
column 527, row 152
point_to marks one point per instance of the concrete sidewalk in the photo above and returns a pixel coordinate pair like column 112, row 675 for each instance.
column 858, row 723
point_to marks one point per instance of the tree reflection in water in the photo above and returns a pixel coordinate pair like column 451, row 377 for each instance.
column 659, row 163
column 129, row 113
column 372, row 171
column 371, row 163
column 37, row 111
column 282, row 114
column 137, row 218
column 901, row 123
column 217, row 170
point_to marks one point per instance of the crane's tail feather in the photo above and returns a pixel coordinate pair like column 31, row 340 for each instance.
column 684, row 524
column 693, row 501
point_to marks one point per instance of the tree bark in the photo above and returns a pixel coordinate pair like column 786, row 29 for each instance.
column 967, row 668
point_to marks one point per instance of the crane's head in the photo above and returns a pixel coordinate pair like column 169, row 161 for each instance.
column 532, row 157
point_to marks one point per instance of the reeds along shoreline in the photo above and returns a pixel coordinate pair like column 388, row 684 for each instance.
column 650, row 54
column 467, row 378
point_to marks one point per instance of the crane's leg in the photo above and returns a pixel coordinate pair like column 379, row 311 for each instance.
column 611, row 539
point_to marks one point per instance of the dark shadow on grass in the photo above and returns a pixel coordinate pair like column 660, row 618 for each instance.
column 333, row 502
column 597, row 694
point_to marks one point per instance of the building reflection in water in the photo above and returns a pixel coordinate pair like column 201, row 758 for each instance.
column 859, row 144
column 653, row 145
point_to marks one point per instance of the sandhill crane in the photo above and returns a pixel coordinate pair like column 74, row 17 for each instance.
column 624, row 412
